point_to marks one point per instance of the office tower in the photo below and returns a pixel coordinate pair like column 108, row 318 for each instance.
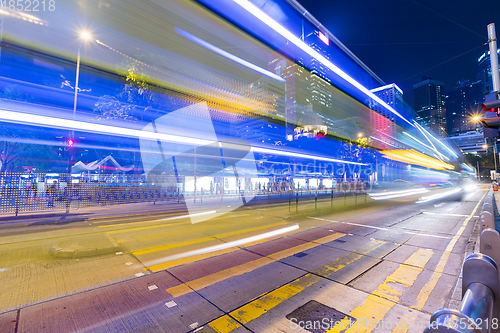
column 429, row 104
column 484, row 74
column 461, row 104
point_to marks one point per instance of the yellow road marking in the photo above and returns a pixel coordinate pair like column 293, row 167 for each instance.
column 174, row 263
column 202, row 240
column 139, row 228
column 376, row 305
column 208, row 280
column 268, row 301
column 425, row 292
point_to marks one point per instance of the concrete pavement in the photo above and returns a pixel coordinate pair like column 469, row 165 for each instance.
column 395, row 264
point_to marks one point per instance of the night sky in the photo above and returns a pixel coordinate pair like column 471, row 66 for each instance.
column 403, row 40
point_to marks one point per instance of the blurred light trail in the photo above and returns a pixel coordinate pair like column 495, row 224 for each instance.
column 222, row 246
column 439, row 196
column 448, row 148
column 423, row 144
column 228, row 55
column 188, row 215
column 23, row 16
column 387, row 143
column 416, row 158
column 420, row 128
column 252, row 9
column 51, row 122
column 398, row 194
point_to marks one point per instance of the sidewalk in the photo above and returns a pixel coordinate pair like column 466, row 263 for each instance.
column 149, row 208
column 93, row 212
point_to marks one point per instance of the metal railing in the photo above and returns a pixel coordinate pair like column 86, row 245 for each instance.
column 480, row 308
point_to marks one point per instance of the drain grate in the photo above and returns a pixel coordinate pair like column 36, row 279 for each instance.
column 300, row 254
column 318, row 318
column 339, row 241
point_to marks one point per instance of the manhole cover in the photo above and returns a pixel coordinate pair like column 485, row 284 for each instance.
column 318, row 318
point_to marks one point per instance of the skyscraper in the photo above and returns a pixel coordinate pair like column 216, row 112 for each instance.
column 461, row 103
column 429, row 104
column 393, row 96
column 484, row 74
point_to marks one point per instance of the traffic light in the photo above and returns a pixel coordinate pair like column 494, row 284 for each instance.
column 70, row 143
column 491, row 120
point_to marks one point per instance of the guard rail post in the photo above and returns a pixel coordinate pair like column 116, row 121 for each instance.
column 480, row 300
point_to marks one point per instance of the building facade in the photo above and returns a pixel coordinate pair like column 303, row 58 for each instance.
column 484, row 73
column 462, row 103
column 471, row 142
column 429, row 104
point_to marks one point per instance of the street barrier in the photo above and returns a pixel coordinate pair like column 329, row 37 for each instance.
column 480, row 300
column 480, row 308
column 31, row 192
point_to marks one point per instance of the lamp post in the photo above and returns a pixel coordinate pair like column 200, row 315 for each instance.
column 84, row 36
column 494, row 157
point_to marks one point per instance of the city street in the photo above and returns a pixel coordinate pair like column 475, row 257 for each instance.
column 393, row 262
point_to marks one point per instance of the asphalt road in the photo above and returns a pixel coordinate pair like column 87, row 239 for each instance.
column 392, row 262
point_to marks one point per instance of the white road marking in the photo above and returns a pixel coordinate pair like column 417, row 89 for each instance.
column 170, row 304
column 460, row 215
column 379, row 228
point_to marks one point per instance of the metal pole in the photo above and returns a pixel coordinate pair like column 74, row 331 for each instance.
column 495, row 158
column 492, row 41
column 76, row 87
column 72, row 133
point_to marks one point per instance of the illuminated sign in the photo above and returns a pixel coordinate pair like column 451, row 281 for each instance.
column 323, row 38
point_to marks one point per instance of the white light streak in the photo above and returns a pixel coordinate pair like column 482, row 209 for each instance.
column 448, row 148
column 439, row 196
column 51, row 122
column 223, row 246
column 398, row 194
column 187, row 216
column 227, row 55
column 425, row 145
column 252, row 9
column 420, row 128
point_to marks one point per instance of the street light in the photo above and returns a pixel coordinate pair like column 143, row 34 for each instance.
column 71, row 141
column 84, row 36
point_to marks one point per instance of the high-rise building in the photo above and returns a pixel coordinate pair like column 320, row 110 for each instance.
column 484, row 73
column 393, row 96
column 304, row 107
column 461, row 104
column 429, row 104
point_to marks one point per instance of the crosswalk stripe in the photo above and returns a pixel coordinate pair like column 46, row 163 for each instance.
column 385, row 297
column 425, row 292
column 202, row 240
column 269, row 300
column 208, row 280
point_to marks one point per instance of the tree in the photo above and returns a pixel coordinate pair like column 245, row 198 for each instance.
column 486, row 163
